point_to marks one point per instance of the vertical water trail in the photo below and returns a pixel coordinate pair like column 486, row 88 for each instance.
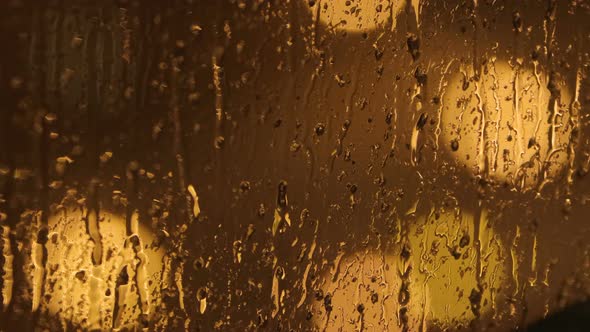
column 6, row 249
column 281, row 217
column 515, row 263
column 481, row 222
column 352, row 91
column 574, row 119
column 39, row 250
column 550, row 27
column 308, row 267
column 7, row 267
column 442, row 86
column 93, row 49
column 133, row 274
column 181, row 169
column 405, row 271
column 493, row 165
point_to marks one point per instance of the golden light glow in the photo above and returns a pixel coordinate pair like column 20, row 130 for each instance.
column 448, row 279
column 507, row 126
column 354, row 15
column 80, row 292
column 363, row 292
column 456, row 280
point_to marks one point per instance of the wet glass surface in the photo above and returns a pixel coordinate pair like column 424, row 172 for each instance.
column 294, row 165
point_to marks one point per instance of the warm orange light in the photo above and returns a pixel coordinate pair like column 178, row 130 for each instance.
column 506, row 125
column 354, row 15
column 456, row 278
column 82, row 293
column 449, row 281
column 361, row 292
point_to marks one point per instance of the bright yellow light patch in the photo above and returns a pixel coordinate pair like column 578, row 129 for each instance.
column 454, row 279
column 448, row 279
column 354, row 15
column 83, row 294
column 507, row 125
column 362, row 290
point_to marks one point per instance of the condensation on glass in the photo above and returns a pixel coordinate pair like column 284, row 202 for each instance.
column 293, row 165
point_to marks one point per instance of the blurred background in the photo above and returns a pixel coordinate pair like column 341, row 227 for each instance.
column 294, row 165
